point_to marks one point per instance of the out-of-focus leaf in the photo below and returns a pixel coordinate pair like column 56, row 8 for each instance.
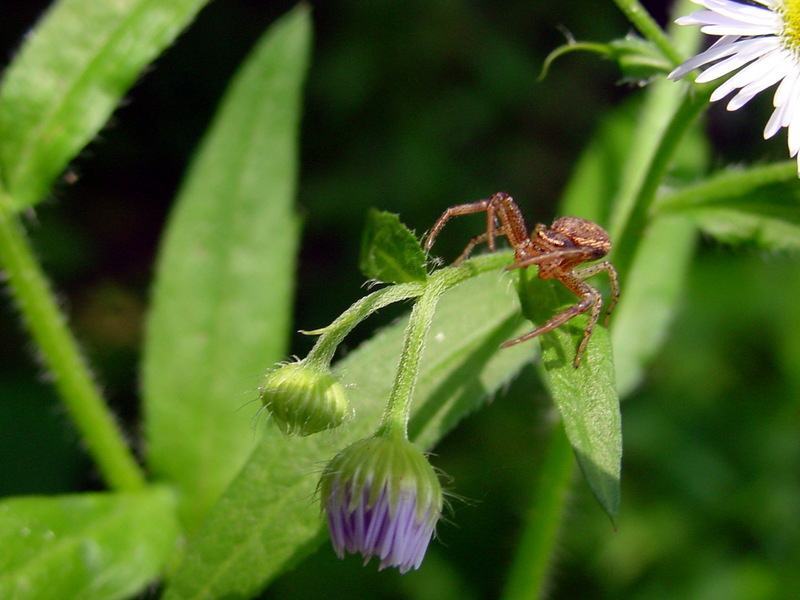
column 223, row 294
column 85, row 547
column 649, row 297
column 389, row 251
column 71, row 73
column 586, row 397
column 758, row 206
column 268, row 518
column 598, row 176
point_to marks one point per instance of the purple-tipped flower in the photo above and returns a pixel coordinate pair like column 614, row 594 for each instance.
column 304, row 400
column 382, row 498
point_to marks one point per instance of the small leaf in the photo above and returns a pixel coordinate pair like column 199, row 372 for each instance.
column 223, row 294
column 70, row 74
column 586, row 397
column 389, row 251
column 86, row 547
column 268, row 518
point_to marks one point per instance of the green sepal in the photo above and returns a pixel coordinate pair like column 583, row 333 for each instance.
column 389, row 250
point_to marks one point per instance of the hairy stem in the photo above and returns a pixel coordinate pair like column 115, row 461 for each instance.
column 398, row 408
column 641, row 19
column 61, row 355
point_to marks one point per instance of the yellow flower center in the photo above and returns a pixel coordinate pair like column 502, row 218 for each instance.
column 790, row 11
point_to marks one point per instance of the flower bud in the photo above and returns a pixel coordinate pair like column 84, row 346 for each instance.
column 304, row 400
column 382, row 498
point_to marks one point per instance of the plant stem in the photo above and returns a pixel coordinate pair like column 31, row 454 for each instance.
column 331, row 336
column 634, row 222
column 398, row 408
column 528, row 575
column 61, row 355
column 642, row 20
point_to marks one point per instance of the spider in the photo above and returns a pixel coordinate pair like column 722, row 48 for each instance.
column 557, row 251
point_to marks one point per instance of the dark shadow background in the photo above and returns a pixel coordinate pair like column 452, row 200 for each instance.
column 411, row 107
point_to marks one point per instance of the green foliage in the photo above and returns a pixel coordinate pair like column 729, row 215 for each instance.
column 266, row 520
column 235, row 507
column 86, row 547
column 756, row 206
column 224, row 286
column 586, row 397
column 68, row 78
column 389, row 251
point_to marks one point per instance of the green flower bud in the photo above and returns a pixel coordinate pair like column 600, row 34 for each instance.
column 304, row 400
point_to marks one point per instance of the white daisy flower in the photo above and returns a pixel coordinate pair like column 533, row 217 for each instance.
column 760, row 39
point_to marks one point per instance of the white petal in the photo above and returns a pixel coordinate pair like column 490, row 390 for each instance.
column 753, row 73
column 723, row 47
column 749, row 91
column 790, row 103
column 744, row 13
column 739, row 29
column 793, row 123
column 742, row 57
column 778, row 118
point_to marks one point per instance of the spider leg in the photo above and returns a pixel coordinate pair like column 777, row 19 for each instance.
column 461, row 209
column 590, row 298
column 613, row 279
column 478, row 239
column 571, row 253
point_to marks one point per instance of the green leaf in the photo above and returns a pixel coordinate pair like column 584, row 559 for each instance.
column 223, row 294
column 586, row 397
column 86, row 547
column 759, row 206
column 389, row 251
column 650, row 292
column 599, row 175
column 70, row 74
column 268, row 519
column 650, row 296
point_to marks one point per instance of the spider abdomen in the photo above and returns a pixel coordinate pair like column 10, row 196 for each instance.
column 580, row 233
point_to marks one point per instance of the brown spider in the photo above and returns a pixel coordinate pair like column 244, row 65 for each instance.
column 557, row 251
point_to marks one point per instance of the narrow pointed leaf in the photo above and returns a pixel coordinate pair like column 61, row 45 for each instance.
column 71, row 73
column 85, row 547
column 222, row 300
column 586, row 397
column 268, row 519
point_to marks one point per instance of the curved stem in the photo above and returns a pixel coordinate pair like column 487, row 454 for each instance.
column 60, row 352
column 331, row 336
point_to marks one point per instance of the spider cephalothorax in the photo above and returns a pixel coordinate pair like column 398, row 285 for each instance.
column 557, row 251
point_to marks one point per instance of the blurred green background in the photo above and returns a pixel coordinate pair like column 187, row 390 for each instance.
column 412, row 107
